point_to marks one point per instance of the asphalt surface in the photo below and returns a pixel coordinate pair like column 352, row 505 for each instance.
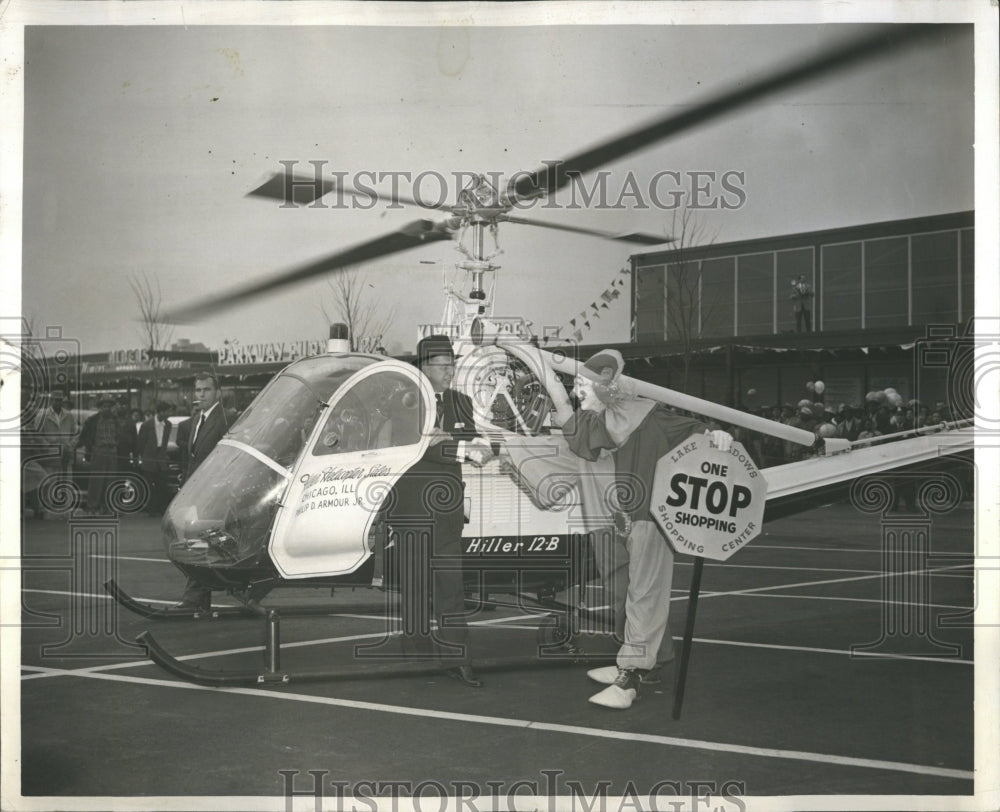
column 803, row 680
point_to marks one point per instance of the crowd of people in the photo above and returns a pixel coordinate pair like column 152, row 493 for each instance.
column 884, row 413
column 114, row 440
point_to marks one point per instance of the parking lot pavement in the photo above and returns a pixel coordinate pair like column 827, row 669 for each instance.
column 775, row 701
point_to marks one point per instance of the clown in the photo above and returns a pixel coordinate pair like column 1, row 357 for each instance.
column 637, row 432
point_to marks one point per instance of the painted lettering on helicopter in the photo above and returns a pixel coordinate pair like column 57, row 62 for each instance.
column 338, row 473
column 516, row 545
column 338, row 487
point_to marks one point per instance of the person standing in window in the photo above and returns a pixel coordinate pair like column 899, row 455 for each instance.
column 801, row 297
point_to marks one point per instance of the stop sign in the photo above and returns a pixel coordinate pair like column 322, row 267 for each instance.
column 708, row 502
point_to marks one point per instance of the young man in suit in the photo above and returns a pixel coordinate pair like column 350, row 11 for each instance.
column 212, row 423
column 206, row 431
column 154, row 436
column 431, row 497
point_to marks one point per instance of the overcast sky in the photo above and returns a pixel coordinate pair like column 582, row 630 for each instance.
column 142, row 142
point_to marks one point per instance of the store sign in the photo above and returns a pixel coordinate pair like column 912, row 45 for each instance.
column 130, row 361
column 709, row 503
column 268, row 352
column 453, row 331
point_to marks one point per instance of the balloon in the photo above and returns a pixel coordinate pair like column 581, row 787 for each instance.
column 751, row 392
column 895, row 399
column 811, row 386
column 819, row 387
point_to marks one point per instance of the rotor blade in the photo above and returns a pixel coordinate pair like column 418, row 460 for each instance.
column 638, row 237
column 294, row 190
column 555, row 175
column 411, row 235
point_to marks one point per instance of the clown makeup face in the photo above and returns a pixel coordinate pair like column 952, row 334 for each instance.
column 583, row 388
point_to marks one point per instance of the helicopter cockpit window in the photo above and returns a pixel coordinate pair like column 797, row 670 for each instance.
column 380, row 411
column 280, row 420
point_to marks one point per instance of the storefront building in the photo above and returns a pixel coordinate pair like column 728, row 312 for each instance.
column 889, row 301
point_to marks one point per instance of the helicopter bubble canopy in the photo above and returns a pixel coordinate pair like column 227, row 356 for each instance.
column 376, row 428
column 222, row 517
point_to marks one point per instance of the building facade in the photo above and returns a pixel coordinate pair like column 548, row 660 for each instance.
column 719, row 321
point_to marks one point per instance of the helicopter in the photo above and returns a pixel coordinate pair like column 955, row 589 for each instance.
column 299, row 492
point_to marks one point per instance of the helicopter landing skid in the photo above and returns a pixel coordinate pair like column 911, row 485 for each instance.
column 150, row 611
column 271, row 672
column 248, row 608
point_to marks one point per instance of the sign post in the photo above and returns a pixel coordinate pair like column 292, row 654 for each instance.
column 709, row 504
column 699, row 565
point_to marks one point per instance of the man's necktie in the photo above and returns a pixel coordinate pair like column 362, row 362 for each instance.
column 439, row 419
column 197, row 432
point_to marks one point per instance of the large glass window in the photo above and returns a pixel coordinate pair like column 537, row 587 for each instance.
column 844, row 385
column 683, row 295
column 886, row 272
column 715, row 386
column 794, row 378
column 935, row 277
column 841, row 286
column 649, row 304
column 758, row 388
column 968, row 274
column 791, row 265
column 717, row 301
column 885, row 376
column 755, row 294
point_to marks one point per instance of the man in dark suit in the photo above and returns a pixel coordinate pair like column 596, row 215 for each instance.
column 212, row 423
column 154, row 435
column 206, row 430
column 184, row 436
column 430, row 497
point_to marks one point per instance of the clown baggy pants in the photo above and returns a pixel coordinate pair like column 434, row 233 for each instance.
column 647, row 604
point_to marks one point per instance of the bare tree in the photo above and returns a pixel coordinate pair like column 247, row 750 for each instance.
column 355, row 304
column 688, row 306
column 154, row 331
column 30, row 332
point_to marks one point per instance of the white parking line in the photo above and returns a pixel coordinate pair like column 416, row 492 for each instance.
column 849, row 600
column 716, row 565
column 528, row 724
column 839, row 652
column 829, row 581
column 756, row 546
